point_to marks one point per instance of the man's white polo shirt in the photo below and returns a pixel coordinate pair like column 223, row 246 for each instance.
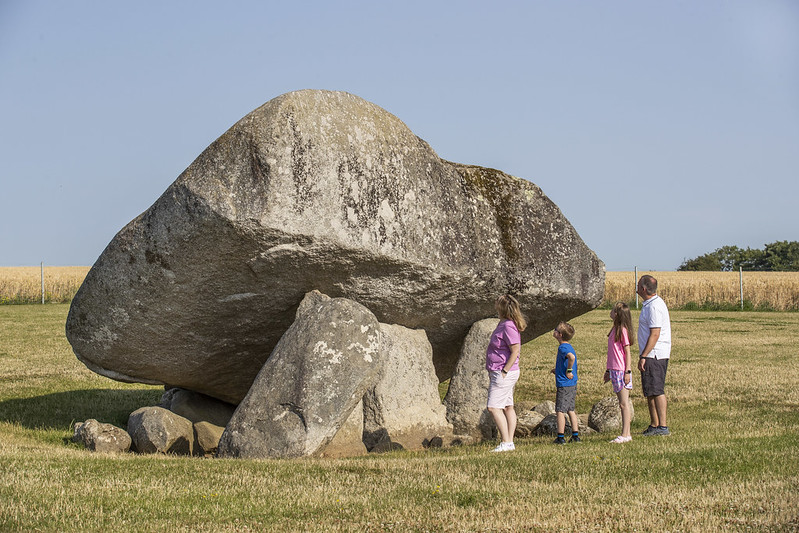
column 655, row 314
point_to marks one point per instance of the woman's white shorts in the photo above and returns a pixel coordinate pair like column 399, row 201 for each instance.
column 500, row 389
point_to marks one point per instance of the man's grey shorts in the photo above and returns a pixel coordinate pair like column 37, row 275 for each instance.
column 564, row 399
column 653, row 378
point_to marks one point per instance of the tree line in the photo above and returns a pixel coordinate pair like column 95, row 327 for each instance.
column 779, row 256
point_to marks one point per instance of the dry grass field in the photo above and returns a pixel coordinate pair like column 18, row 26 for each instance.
column 762, row 290
column 19, row 285
column 731, row 463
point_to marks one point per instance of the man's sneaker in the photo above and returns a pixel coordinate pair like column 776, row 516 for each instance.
column 662, row 432
column 575, row 438
column 621, row 440
column 559, row 440
column 648, row 432
column 505, row 447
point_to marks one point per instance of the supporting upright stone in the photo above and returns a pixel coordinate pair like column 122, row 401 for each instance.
column 468, row 389
column 309, row 386
column 404, row 406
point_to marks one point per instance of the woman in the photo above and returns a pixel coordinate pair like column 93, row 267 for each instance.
column 502, row 363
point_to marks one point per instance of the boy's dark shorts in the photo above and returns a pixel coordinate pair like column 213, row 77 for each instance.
column 653, row 378
column 564, row 399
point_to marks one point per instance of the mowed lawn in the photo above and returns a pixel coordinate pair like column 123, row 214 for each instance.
column 731, row 464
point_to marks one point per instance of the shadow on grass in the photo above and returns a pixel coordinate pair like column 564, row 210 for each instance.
column 60, row 410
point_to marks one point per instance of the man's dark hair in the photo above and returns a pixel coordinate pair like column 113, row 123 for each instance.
column 650, row 284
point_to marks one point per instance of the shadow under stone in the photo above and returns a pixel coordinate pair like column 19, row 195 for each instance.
column 60, row 410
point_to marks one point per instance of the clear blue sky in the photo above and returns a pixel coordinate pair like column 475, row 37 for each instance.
column 663, row 130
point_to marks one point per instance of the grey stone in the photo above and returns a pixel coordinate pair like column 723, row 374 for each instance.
column 468, row 388
column 605, row 415
column 404, row 405
column 545, row 408
column 206, row 437
column 197, row 407
column 549, row 426
column 320, row 190
column 159, row 430
column 307, row 389
column 101, row 437
column 527, row 423
column 348, row 441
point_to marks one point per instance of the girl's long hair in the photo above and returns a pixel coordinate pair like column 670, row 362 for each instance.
column 622, row 319
column 510, row 309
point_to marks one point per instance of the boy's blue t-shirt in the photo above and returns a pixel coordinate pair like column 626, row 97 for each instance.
column 561, row 363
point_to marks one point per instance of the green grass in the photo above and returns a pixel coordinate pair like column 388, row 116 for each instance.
column 732, row 463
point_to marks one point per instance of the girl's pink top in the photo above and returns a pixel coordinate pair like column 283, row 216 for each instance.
column 498, row 352
column 616, row 349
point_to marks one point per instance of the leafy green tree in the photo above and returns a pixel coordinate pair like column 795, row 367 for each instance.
column 776, row 256
column 703, row 262
column 782, row 256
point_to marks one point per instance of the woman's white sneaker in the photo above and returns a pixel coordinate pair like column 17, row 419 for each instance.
column 621, row 440
column 505, row 447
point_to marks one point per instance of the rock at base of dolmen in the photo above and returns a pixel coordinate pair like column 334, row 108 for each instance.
column 605, row 415
column 158, row 430
column 101, row 437
column 207, row 437
column 348, row 441
column 197, row 407
column 315, row 377
column 320, row 190
column 468, row 388
column 404, row 406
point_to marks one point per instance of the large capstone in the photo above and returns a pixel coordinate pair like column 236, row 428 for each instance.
column 320, row 190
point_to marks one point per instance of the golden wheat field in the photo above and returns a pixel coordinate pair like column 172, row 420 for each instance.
column 775, row 290
column 24, row 284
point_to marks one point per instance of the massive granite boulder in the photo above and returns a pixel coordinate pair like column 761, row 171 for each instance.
column 320, row 190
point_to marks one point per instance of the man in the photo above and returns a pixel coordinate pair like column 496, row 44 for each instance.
column 654, row 341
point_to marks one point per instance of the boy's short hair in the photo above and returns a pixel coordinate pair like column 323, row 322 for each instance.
column 566, row 331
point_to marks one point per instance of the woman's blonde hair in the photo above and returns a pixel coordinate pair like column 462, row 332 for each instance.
column 510, row 309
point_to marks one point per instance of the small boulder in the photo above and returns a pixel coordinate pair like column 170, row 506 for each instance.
column 309, row 386
column 605, row 415
column 207, row 437
column 159, row 430
column 468, row 388
column 545, row 408
column 527, row 423
column 101, row 437
column 197, row 407
column 549, row 426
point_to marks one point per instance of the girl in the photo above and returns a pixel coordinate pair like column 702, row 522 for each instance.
column 502, row 363
column 619, row 366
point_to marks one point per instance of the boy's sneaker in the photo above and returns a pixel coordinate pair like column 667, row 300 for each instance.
column 559, row 440
column 575, row 438
column 661, row 431
column 648, row 432
column 621, row 440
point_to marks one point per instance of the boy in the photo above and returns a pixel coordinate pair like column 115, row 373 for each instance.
column 566, row 381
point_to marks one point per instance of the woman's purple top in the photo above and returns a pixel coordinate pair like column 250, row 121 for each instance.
column 498, row 351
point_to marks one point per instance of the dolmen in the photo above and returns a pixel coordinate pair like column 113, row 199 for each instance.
column 226, row 286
